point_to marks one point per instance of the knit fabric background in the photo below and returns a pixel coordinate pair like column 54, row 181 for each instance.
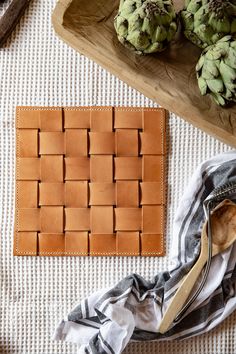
column 36, row 293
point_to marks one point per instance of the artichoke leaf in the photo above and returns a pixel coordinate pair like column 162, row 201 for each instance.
column 230, row 60
column 138, row 39
column 231, row 87
column 228, row 74
column 147, row 26
column 200, row 63
column 193, row 6
column 187, row 20
column 215, row 85
column 213, row 54
column 233, row 26
column 135, row 23
column 211, row 67
column 225, row 38
column 218, row 99
column 202, row 84
column 160, row 34
column 228, row 94
column 172, row 31
column 205, row 33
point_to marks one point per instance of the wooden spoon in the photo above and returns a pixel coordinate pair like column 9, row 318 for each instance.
column 10, row 18
column 223, row 224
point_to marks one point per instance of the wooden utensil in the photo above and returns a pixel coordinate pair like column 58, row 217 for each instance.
column 223, row 222
column 10, row 18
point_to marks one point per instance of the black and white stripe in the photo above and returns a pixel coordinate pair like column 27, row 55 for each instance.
column 131, row 309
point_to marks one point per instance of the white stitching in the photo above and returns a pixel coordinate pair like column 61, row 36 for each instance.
column 120, row 109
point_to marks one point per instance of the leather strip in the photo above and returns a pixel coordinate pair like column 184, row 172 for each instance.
column 90, row 181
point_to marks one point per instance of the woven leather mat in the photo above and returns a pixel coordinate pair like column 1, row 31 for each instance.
column 90, row 181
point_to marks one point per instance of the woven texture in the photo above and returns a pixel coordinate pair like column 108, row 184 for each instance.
column 38, row 69
column 89, row 181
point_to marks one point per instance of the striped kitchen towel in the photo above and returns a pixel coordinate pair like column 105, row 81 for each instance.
column 132, row 310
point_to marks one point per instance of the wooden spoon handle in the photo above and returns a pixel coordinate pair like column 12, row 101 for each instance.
column 11, row 17
column 182, row 293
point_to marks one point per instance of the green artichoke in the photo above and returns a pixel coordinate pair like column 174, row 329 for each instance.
column 216, row 71
column 146, row 26
column 207, row 21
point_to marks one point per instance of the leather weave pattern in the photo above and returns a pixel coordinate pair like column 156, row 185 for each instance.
column 90, row 181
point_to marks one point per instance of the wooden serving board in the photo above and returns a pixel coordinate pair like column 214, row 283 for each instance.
column 167, row 78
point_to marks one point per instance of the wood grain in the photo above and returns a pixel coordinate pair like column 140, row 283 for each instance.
column 167, row 78
column 10, row 18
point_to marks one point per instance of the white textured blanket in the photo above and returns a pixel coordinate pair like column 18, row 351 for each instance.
column 35, row 293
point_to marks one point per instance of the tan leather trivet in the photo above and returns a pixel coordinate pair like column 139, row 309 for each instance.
column 90, row 181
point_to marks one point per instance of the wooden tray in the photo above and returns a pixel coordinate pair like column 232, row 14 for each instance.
column 167, row 78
